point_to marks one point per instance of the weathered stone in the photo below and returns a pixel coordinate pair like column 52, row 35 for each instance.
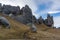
column 32, row 27
column 25, row 17
column 21, row 19
column 49, row 20
column 0, row 7
column 12, row 11
column 4, row 21
column 40, row 20
column 27, row 13
column 34, row 20
column 7, row 9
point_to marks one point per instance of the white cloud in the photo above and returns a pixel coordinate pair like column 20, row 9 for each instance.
column 57, row 21
column 53, row 12
column 55, row 6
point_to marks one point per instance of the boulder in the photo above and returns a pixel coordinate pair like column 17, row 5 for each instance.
column 4, row 22
column 33, row 28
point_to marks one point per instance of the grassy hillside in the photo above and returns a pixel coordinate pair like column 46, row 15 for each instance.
column 17, row 31
column 45, row 33
column 48, row 29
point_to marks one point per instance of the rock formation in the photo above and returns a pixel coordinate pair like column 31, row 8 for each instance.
column 0, row 7
column 40, row 20
column 27, row 13
column 49, row 21
column 21, row 19
column 7, row 9
column 24, row 15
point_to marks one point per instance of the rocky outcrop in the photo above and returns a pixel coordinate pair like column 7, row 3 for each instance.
column 27, row 13
column 0, row 7
column 24, row 15
column 21, row 19
column 40, row 20
column 7, row 9
column 49, row 21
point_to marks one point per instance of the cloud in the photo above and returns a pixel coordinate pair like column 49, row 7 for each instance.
column 57, row 21
column 56, row 5
column 53, row 12
column 48, row 6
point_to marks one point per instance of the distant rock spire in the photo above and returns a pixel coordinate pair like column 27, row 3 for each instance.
column 0, row 7
column 40, row 20
column 49, row 21
column 27, row 13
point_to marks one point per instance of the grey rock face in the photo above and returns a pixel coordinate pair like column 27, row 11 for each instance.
column 34, row 20
column 40, row 20
column 7, row 9
column 21, row 19
column 13, row 11
column 27, row 13
column 49, row 20
column 4, row 21
column 0, row 7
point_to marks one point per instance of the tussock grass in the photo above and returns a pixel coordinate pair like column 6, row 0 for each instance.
column 16, row 30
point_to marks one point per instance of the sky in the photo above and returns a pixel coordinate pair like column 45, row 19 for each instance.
column 39, row 8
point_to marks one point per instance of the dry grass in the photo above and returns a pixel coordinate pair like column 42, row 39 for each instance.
column 43, row 27
column 45, row 33
column 17, row 30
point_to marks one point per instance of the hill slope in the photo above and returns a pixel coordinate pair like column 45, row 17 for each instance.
column 45, row 33
column 17, row 31
column 43, row 27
